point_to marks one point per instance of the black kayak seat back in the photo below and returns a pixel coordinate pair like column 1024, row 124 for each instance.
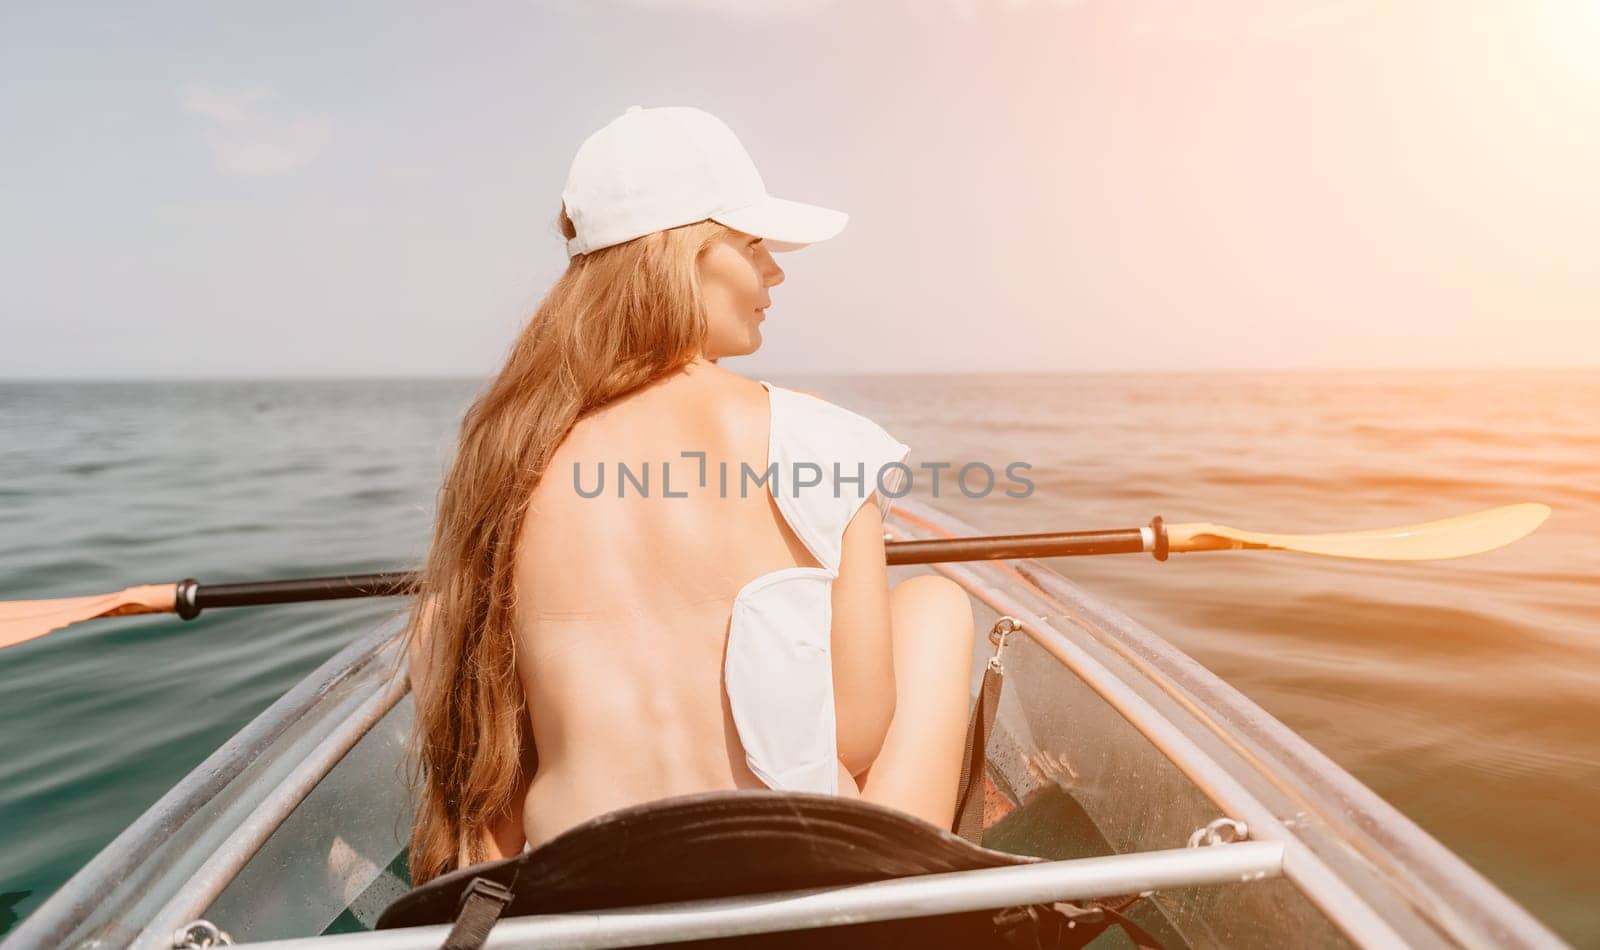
column 712, row 844
column 724, row 844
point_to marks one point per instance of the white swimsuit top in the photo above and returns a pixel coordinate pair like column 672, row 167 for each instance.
column 779, row 668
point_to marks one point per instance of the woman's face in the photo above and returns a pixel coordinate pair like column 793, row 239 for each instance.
column 735, row 272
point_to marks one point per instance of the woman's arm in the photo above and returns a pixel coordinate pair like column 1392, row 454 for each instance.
column 505, row 834
column 862, row 640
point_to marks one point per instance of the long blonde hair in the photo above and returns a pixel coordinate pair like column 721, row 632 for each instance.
column 618, row 319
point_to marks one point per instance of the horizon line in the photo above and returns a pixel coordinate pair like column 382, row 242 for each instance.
column 887, row 374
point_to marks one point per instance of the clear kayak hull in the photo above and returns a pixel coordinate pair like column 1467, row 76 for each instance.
column 1110, row 742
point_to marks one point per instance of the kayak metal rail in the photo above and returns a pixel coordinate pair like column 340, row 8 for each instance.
column 919, row 896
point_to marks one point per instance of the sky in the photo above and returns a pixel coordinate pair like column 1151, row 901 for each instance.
column 370, row 189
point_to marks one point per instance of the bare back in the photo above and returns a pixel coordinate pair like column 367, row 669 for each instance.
column 624, row 602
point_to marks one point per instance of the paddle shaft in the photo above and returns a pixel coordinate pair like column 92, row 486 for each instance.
column 1007, row 547
column 1460, row 536
column 193, row 597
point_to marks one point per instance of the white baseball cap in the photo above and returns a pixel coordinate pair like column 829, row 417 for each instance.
column 653, row 169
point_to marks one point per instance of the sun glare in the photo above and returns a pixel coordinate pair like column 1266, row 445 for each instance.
column 1573, row 27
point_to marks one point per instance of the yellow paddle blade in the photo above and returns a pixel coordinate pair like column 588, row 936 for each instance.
column 1460, row 536
column 24, row 620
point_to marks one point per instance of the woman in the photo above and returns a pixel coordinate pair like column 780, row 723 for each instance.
column 582, row 647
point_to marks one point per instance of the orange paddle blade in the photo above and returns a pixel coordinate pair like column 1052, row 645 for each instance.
column 24, row 620
column 1460, row 536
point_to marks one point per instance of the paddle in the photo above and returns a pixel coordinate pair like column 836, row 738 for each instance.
column 1461, row 536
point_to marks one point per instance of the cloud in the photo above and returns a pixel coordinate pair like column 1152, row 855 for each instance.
column 224, row 108
column 250, row 135
column 743, row 9
column 972, row 11
column 784, row 10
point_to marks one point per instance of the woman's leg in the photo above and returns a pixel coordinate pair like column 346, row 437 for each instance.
column 920, row 763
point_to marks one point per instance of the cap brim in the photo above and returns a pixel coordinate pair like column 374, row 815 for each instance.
column 786, row 225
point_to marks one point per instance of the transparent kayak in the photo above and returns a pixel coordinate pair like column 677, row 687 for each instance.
column 1118, row 758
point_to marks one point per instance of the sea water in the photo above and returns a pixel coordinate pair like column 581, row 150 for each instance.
column 1465, row 692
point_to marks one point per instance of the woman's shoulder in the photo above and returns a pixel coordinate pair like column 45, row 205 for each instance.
column 702, row 398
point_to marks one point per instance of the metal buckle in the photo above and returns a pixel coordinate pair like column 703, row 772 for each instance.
column 999, row 635
column 1211, row 834
column 200, row 934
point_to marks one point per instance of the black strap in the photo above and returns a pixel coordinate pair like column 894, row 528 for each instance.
column 481, row 905
column 969, row 792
